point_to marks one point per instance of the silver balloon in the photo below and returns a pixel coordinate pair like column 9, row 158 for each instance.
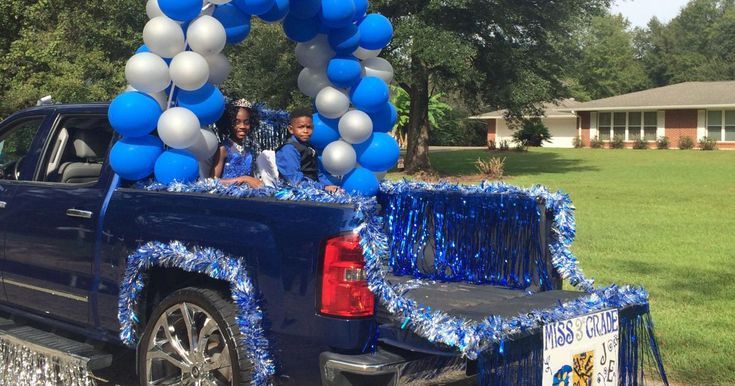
column 219, row 68
column 164, row 37
column 160, row 97
column 339, row 158
column 315, row 53
column 312, row 81
column 152, row 9
column 219, row 2
column 364, row 54
column 332, row 103
column 179, row 128
column 380, row 175
column 147, row 72
column 355, row 127
column 206, row 35
column 189, row 71
column 379, row 68
column 206, row 145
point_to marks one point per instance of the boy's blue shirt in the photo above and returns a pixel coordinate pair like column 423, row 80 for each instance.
column 288, row 161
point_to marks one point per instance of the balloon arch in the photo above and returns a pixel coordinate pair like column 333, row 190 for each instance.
column 173, row 82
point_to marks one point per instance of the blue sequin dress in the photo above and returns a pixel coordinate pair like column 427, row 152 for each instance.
column 239, row 161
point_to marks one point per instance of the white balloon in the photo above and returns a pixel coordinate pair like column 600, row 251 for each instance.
column 206, row 35
column 219, row 68
column 355, row 127
column 364, row 54
column 206, row 145
column 219, row 2
column 379, row 68
column 164, row 37
column 316, row 53
column 179, row 128
column 152, row 9
column 312, row 81
column 380, row 175
column 189, row 71
column 339, row 158
column 147, row 72
column 332, row 103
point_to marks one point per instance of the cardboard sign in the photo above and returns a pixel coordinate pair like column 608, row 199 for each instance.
column 582, row 351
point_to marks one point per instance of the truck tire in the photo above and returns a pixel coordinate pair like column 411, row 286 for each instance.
column 166, row 355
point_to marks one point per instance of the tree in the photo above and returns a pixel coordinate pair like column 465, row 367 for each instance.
column 495, row 53
column 607, row 64
column 75, row 53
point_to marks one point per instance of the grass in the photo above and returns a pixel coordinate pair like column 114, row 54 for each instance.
column 661, row 219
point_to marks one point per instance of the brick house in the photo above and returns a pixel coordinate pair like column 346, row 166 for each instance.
column 561, row 121
column 691, row 109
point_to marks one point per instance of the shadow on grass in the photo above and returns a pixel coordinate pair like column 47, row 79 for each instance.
column 534, row 162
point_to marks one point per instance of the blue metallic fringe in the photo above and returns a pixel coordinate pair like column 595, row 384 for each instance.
column 472, row 339
column 272, row 130
column 215, row 264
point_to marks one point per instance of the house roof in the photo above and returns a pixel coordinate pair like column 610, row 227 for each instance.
column 560, row 109
column 688, row 95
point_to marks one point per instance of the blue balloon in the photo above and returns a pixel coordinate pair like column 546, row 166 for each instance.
column 236, row 23
column 344, row 41
column 326, row 131
column 254, row 7
column 361, row 7
column 207, row 103
column 384, row 119
column 133, row 158
column 344, row 71
column 337, row 13
column 305, row 9
column 380, row 153
column 142, row 49
column 134, row 114
column 301, row 30
column 370, row 95
column 277, row 12
column 361, row 182
column 376, row 32
column 176, row 165
column 181, row 10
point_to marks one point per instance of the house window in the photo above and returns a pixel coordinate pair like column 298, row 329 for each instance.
column 630, row 126
column 721, row 125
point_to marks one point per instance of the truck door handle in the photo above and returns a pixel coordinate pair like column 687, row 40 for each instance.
column 78, row 213
column 3, row 204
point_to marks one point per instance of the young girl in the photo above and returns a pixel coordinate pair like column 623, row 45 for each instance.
column 234, row 162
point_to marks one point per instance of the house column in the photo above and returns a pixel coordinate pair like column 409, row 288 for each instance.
column 492, row 131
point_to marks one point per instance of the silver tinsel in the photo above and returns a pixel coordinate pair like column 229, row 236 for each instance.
column 22, row 366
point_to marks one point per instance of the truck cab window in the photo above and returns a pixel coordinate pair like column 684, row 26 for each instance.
column 77, row 150
column 14, row 146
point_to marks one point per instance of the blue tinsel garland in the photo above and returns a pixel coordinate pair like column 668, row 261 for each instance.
column 469, row 337
column 213, row 263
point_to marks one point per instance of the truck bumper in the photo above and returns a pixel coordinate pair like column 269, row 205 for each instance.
column 389, row 367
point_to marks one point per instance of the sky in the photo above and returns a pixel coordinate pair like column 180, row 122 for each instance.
column 640, row 12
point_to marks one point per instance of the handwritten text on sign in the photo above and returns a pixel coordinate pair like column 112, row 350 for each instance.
column 582, row 351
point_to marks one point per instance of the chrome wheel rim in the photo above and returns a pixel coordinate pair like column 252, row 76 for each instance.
column 187, row 347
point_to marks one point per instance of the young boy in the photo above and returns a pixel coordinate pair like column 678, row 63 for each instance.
column 296, row 159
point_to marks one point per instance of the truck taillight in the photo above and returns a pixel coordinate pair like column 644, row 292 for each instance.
column 344, row 291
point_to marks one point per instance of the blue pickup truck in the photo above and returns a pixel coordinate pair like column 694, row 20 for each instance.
column 69, row 224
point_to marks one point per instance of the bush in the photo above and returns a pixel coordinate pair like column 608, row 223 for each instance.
column 597, row 143
column 662, row 143
column 708, row 144
column 504, row 145
column 686, row 143
column 640, row 144
column 520, row 148
column 578, row 143
column 618, row 142
column 491, row 146
column 492, row 169
column 532, row 133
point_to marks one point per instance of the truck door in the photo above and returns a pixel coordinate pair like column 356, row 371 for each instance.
column 17, row 162
column 50, row 246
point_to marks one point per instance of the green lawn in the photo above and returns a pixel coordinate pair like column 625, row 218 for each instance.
column 661, row 219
